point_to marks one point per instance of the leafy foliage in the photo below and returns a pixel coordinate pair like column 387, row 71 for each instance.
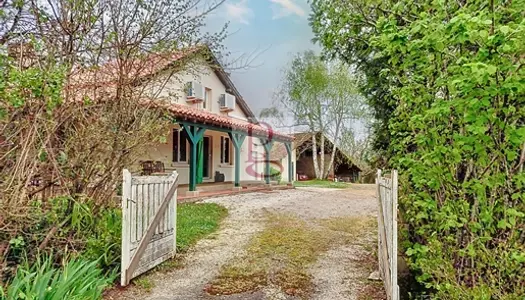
column 78, row 103
column 275, row 175
column 76, row 279
column 66, row 227
column 319, row 97
column 457, row 133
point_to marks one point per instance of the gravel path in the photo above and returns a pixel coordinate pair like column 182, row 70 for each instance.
column 334, row 273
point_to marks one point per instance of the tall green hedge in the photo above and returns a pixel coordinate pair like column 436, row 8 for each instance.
column 458, row 135
column 457, row 75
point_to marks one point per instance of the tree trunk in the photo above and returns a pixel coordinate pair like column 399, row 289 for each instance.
column 321, row 167
column 332, row 158
column 334, row 147
column 318, row 174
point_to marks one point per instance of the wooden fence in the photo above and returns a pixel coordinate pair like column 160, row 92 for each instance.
column 387, row 232
column 149, row 218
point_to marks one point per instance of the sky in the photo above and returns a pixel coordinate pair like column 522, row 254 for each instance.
column 264, row 34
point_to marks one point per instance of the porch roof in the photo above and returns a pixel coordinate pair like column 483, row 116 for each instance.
column 199, row 116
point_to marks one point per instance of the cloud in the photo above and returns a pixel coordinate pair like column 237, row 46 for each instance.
column 239, row 12
column 284, row 8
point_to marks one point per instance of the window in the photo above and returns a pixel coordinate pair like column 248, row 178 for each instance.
column 180, row 145
column 207, row 98
column 225, row 150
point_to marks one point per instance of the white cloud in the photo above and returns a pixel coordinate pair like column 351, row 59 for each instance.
column 239, row 12
column 284, row 8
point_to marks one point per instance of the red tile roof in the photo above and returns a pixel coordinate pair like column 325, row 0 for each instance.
column 186, row 113
column 99, row 82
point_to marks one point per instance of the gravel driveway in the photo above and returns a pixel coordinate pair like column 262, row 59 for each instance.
column 336, row 274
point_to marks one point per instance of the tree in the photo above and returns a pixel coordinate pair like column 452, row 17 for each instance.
column 320, row 98
column 77, row 104
column 345, row 29
column 454, row 72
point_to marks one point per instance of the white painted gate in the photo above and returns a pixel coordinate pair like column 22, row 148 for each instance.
column 149, row 218
column 387, row 232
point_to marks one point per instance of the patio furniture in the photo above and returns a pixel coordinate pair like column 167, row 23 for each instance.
column 149, row 167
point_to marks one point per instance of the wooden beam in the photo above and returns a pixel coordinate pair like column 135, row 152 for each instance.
column 237, row 140
column 195, row 134
column 267, row 144
column 229, row 129
column 288, row 147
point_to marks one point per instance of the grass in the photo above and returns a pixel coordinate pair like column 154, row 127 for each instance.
column 352, row 227
column 197, row 220
column 144, row 283
column 279, row 255
column 322, row 183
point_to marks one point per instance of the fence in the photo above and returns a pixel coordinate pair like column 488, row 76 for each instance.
column 149, row 217
column 387, row 232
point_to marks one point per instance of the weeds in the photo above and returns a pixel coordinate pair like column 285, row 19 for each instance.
column 322, row 184
column 144, row 283
column 279, row 255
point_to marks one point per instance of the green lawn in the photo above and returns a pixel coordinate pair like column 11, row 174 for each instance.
column 322, row 183
column 197, row 220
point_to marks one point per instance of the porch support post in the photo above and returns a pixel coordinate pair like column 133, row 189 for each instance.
column 195, row 134
column 237, row 140
column 288, row 146
column 267, row 144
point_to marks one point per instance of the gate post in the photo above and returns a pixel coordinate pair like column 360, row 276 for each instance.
column 126, row 196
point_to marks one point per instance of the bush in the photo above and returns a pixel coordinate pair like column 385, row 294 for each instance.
column 454, row 74
column 76, row 279
column 66, row 226
column 457, row 136
column 275, row 175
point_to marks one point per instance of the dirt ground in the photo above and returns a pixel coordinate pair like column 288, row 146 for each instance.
column 339, row 273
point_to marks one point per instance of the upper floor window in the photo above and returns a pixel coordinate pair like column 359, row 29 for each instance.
column 180, row 145
column 206, row 104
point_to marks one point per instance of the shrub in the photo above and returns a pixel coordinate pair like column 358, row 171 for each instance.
column 67, row 226
column 275, row 175
column 458, row 136
column 454, row 70
column 75, row 279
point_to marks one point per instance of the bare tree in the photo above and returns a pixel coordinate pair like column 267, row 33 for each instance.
column 79, row 99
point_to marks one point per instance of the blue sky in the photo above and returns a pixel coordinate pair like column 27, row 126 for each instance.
column 266, row 33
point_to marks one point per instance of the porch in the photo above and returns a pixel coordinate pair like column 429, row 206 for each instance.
column 217, row 189
column 215, row 153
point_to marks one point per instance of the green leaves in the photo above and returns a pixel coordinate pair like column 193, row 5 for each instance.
column 449, row 87
column 76, row 279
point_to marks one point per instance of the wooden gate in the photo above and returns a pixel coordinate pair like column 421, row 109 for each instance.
column 387, row 232
column 149, row 217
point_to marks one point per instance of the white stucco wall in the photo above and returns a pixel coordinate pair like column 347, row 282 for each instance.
column 171, row 88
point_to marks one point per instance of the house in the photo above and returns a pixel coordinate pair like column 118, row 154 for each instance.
column 343, row 169
column 214, row 136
